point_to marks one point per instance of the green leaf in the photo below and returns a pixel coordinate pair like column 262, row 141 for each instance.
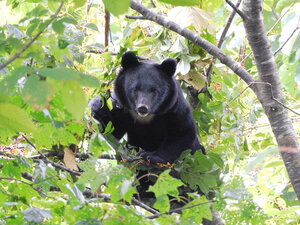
column 53, row 5
column 162, row 203
column 260, row 158
column 33, row 25
column 194, row 167
column 181, row 2
column 91, row 26
column 164, row 186
column 68, row 20
column 197, row 213
column 117, row 7
column 216, row 159
column 7, row 85
column 65, row 74
column 38, row 11
column 62, row 44
column 58, row 27
column 275, row 164
column 15, row 118
column 74, row 99
column 37, row 92
column 78, row 3
column 119, row 183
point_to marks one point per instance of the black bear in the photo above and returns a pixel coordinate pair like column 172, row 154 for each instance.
column 148, row 105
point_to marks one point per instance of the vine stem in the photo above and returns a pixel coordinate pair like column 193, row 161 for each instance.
column 33, row 39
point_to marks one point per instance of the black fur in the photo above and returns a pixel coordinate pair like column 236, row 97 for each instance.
column 149, row 106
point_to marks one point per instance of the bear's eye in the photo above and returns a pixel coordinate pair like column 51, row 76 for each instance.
column 135, row 89
column 153, row 91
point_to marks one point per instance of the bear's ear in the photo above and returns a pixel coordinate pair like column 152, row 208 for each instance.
column 129, row 59
column 168, row 66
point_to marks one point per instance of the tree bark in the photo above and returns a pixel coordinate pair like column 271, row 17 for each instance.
column 269, row 92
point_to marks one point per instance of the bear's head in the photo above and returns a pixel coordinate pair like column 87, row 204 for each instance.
column 146, row 88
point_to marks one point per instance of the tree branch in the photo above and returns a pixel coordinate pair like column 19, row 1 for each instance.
column 107, row 27
column 179, row 209
column 236, row 9
column 56, row 165
column 135, row 17
column 194, row 37
column 134, row 201
column 33, row 39
column 24, row 182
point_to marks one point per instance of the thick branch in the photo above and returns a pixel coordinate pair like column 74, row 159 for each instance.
column 33, row 39
column 192, row 36
column 107, row 27
column 269, row 91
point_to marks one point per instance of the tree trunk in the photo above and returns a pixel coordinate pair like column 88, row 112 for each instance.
column 269, row 92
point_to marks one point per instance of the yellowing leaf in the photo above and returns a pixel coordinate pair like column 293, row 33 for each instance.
column 69, row 159
column 193, row 16
column 14, row 118
column 37, row 93
column 194, row 78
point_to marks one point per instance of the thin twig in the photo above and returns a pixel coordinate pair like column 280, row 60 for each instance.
column 24, row 182
column 179, row 209
column 242, row 15
column 135, row 17
column 276, row 100
column 272, row 96
column 134, row 201
column 56, row 165
column 228, row 24
column 238, row 95
column 6, row 193
column 107, row 28
column 7, row 155
column 153, row 3
column 286, row 41
column 219, row 45
column 33, row 39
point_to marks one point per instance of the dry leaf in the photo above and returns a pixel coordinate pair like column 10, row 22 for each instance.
column 187, row 16
column 194, row 78
column 69, row 160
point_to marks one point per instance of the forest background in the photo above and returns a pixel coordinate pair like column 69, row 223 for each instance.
column 55, row 167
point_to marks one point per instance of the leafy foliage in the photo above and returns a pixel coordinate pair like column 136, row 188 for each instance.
column 44, row 95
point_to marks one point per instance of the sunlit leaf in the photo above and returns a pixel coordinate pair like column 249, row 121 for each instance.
column 37, row 92
column 15, row 118
column 117, row 7
column 181, row 2
column 65, row 74
column 74, row 99
column 192, row 16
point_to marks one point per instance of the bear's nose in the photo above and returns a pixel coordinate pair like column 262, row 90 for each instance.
column 142, row 110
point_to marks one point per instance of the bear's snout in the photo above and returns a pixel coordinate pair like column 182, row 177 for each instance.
column 142, row 110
